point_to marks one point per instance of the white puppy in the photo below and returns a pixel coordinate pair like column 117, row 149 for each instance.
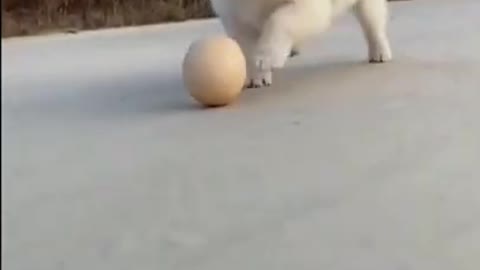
column 269, row 31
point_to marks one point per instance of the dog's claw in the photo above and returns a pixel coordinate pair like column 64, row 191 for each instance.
column 294, row 53
column 258, row 83
column 376, row 61
column 379, row 56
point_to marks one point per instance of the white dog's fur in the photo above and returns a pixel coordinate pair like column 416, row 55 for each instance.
column 269, row 31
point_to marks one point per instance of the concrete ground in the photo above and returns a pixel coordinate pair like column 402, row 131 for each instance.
column 109, row 165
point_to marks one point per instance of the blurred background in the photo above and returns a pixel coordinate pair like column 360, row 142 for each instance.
column 27, row 17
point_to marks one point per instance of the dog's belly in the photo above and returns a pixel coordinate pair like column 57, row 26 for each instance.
column 251, row 13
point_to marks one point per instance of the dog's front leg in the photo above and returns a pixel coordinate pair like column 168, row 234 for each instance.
column 247, row 38
column 286, row 27
column 373, row 15
column 273, row 48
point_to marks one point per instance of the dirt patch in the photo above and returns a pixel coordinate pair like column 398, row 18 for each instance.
column 27, row 17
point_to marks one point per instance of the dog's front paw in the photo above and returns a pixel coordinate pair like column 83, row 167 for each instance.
column 260, row 79
column 381, row 54
column 261, row 75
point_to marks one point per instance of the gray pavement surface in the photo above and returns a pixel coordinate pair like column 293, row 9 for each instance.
column 108, row 164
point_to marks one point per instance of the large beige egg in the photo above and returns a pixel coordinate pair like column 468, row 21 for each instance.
column 214, row 70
